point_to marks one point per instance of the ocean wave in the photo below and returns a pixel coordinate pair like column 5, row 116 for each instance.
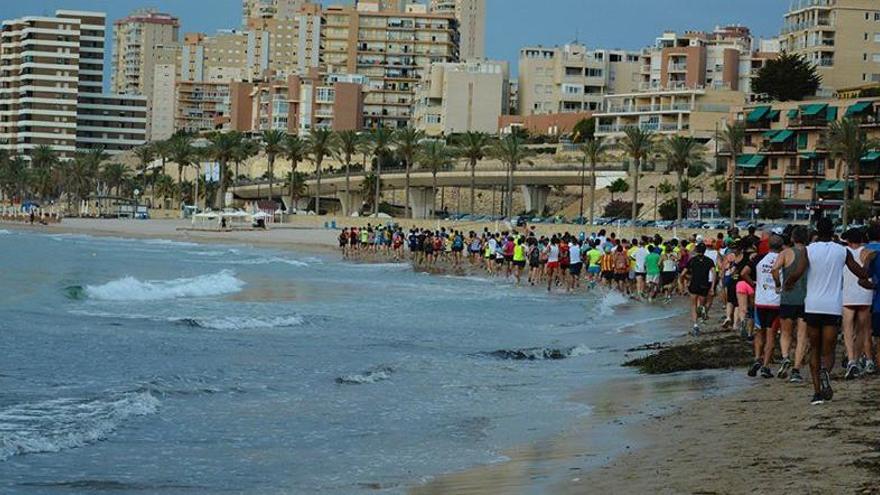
column 4, row 232
column 610, row 301
column 374, row 375
column 132, row 289
column 60, row 424
column 243, row 322
column 265, row 261
column 540, row 353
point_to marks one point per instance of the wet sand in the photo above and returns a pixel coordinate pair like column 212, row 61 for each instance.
column 763, row 436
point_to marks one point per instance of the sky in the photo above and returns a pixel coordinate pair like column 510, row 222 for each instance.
column 626, row 24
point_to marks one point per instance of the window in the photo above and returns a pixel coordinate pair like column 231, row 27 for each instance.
column 876, row 58
column 876, row 37
column 432, row 119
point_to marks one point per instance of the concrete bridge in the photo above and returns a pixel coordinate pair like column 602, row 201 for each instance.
column 535, row 185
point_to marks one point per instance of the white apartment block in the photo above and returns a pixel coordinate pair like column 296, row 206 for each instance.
column 572, row 78
column 457, row 97
column 48, row 65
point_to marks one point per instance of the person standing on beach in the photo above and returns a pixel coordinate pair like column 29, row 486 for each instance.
column 574, row 264
column 639, row 255
column 552, row 261
column 697, row 273
column 766, row 308
column 652, row 272
column 519, row 259
column 793, row 291
column 823, row 304
column 856, row 309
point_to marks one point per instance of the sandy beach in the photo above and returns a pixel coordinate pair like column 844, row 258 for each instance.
column 763, row 438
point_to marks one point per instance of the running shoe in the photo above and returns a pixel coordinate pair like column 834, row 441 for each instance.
column 825, row 381
column 783, row 369
column 817, row 399
column 743, row 330
column 870, row 367
column 727, row 324
column 796, row 376
column 695, row 331
column 701, row 312
column 766, row 373
column 753, row 371
column 852, row 371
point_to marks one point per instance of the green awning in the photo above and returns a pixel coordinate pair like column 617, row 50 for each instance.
column 858, row 108
column 770, row 134
column 814, row 109
column 758, row 113
column 793, row 113
column 749, row 161
column 830, row 186
column 782, row 136
column 871, row 156
column 831, row 116
column 812, row 155
column 773, row 115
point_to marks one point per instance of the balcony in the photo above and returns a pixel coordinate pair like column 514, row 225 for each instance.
column 680, row 67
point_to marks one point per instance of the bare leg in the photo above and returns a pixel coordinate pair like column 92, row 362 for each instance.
column 802, row 341
column 786, row 327
column 815, row 336
column 769, row 345
column 849, row 317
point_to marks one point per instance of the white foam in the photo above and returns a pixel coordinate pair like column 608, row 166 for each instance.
column 375, row 375
column 267, row 261
column 4, row 232
column 609, row 301
column 55, row 425
column 469, row 278
column 132, row 289
column 581, row 350
column 249, row 322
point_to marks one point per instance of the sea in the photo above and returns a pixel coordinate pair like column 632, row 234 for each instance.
column 155, row 366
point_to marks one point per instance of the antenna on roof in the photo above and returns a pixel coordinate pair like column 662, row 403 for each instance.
column 577, row 35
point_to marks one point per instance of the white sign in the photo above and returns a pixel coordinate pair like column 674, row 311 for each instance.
column 694, row 214
column 211, row 172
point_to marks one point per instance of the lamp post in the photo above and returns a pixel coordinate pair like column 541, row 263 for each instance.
column 700, row 206
column 656, row 190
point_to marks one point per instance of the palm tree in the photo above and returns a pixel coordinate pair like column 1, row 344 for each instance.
column 81, row 172
column 848, row 142
column 320, row 145
column 680, row 153
column 370, row 185
column 162, row 150
column 733, row 137
column 145, row 154
column 512, row 151
column 347, row 143
column 295, row 152
column 181, row 151
column 44, row 174
column 223, row 148
column 273, row 145
column 435, row 157
column 297, row 182
column 163, row 187
column 407, row 141
column 594, row 151
column 637, row 143
column 114, row 175
column 473, row 147
column 380, row 141
column 244, row 151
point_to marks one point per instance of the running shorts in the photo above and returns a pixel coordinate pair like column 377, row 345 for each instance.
column 552, row 265
column 653, row 279
column 593, row 269
column 621, row 277
column 875, row 321
column 743, row 287
column 520, row 263
column 667, row 278
column 791, row 311
column 698, row 291
column 608, row 275
column 819, row 320
column 766, row 316
column 575, row 269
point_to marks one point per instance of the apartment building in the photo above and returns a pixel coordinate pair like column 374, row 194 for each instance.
column 688, row 83
column 270, row 9
column 298, row 104
column 572, row 78
column 460, row 97
column 136, row 38
column 726, row 58
column 51, row 83
column 471, row 16
column 201, row 105
column 840, row 37
column 392, row 49
column 785, row 154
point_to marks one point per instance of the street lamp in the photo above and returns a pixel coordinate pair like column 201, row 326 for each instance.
column 702, row 200
column 656, row 190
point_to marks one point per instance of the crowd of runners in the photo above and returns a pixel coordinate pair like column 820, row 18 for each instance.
column 800, row 284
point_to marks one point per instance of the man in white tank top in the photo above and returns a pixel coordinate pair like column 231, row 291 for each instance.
column 766, row 308
column 823, row 305
column 856, row 309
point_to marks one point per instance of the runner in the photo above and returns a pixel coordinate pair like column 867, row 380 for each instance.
column 766, row 309
column 787, row 273
column 856, row 311
column 697, row 273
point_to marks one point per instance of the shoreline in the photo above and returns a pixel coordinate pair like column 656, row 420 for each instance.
column 765, row 437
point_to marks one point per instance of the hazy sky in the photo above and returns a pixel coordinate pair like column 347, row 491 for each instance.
column 630, row 24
